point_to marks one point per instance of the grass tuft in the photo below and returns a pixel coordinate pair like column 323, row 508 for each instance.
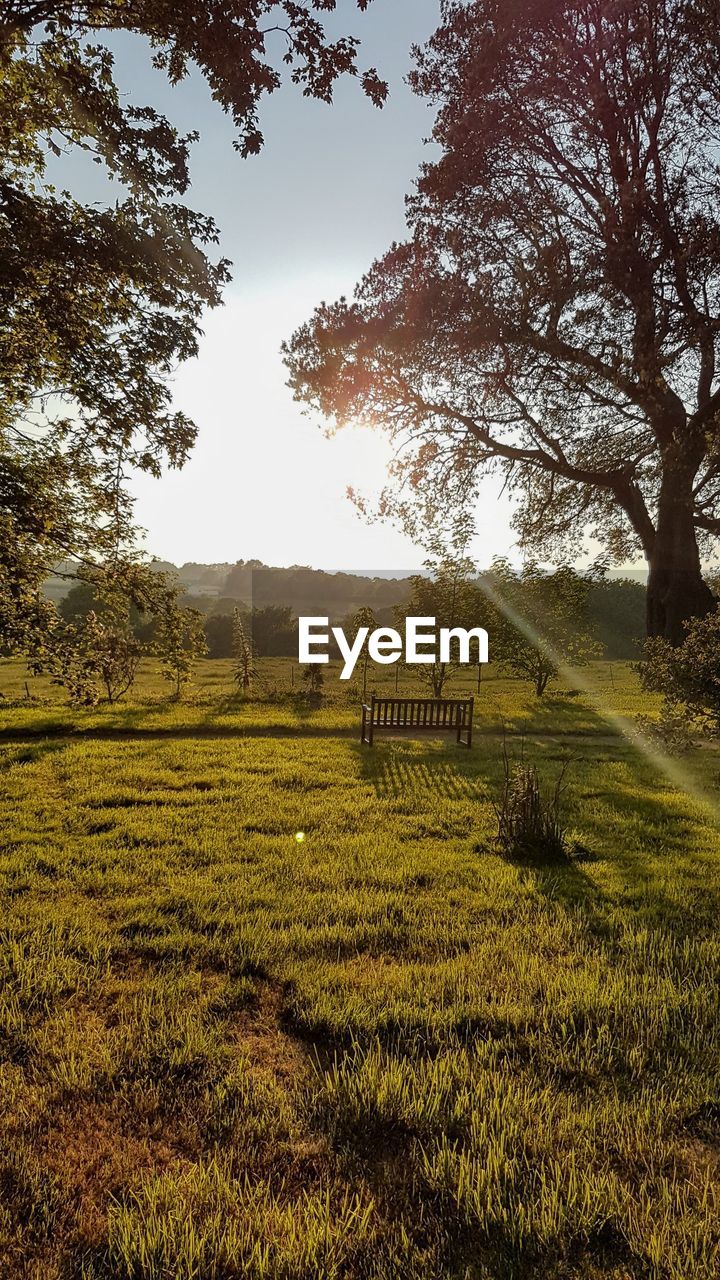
column 530, row 828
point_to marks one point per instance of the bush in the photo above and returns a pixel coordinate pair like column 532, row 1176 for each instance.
column 689, row 675
column 671, row 730
column 92, row 656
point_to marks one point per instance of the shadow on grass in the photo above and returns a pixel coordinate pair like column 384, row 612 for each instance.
column 31, row 752
column 61, row 732
column 556, row 719
column 395, row 773
column 439, row 764
column 627, row 817
column 667, row 872
column 565, row 882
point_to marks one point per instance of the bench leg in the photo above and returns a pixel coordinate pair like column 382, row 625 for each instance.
column 466, row 729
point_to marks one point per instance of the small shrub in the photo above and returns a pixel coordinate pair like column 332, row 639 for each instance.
column 94, row 656
column 529, row 825
column 179, row 642
column 313, row 679
column 245, row 670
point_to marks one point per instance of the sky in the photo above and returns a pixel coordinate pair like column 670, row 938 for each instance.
column 301, row 223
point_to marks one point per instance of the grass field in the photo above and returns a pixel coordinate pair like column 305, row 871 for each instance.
column 381, row 1051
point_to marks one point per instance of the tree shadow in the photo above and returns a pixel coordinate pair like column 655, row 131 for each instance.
column 638, row 847
column 664, row 877
column 28, row 752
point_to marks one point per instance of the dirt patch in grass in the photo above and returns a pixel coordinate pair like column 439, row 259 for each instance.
column 700, row 1157
column 297, row 1157
column 94, row 1149
column 258, row 1030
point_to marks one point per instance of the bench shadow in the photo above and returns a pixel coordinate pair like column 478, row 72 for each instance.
column 396, row 765
column 394, row 776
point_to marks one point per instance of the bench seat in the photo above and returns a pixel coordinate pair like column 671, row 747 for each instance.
column 418, row 715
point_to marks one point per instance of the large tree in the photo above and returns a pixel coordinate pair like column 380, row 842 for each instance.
column 100, row 301
column 554, row 314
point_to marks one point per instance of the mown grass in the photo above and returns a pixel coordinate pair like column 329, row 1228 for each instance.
column 383, row 1051
column 278, row 701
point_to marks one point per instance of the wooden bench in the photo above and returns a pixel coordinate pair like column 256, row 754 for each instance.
column 418, row 715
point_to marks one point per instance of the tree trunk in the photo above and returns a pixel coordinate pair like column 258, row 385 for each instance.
column 541, row 680
column 676, row 589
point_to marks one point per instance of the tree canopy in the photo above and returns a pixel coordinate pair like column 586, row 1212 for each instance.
column 540, row 622
column 449, row 594
column 100, row 302
column 554, row 314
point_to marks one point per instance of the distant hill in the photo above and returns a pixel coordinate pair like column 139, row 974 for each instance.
column 252, row 583
column 616, row 606
column 309, row 591
column 304, row 589
column 199, row 579
column 196, row 579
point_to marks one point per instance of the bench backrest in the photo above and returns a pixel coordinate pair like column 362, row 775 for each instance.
column 421, row 713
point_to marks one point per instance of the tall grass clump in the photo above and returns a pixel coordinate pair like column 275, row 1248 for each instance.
column 202, row 1224
column 530, row 827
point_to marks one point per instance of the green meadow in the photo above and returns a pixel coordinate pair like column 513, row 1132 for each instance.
column 378, row 1051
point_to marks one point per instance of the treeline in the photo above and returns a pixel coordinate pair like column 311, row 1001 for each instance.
column 616, row 616
column 614, row 607
column 615, row 610
column 308, row 591
column 252, row 584
column 273, row 630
